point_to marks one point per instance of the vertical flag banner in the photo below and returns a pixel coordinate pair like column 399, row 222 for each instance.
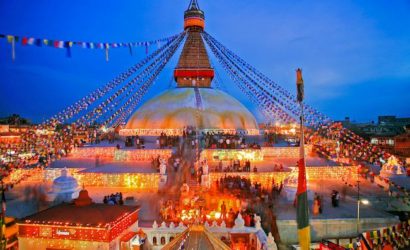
column 302, row 209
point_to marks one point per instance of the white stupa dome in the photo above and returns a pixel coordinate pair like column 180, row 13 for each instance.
column 65, row 183
column 177, row 108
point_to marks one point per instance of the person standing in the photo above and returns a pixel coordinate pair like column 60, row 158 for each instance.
column 316, row 206
column 319, row 199
column 223, row 211
column 334, row 198
column 337, row 198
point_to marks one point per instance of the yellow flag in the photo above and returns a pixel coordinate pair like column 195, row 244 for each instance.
column 10, row 38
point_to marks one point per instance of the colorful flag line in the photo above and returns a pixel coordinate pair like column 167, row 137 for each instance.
column 25, row 40
column 67, row 44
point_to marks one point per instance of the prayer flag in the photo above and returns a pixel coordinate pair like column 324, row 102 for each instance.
column 299, row 85
column 38, row 42
column 67, row 45
column 129, row 46
column 24, row 41
column 50, row 43
column 10, row 38
column 30, row 41
column 59, row 44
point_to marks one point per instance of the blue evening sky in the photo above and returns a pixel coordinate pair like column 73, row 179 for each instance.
column 355, row 55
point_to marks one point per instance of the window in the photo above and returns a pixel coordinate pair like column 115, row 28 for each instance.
column 162, row 240
column 154, row 241
column 171, row 238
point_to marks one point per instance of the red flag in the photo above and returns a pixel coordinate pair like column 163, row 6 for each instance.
column 24, row 41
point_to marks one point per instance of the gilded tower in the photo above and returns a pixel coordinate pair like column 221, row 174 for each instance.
column 194, row 69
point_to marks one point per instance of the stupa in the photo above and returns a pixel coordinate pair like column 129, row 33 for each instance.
column 64, row 188
column 194, row 102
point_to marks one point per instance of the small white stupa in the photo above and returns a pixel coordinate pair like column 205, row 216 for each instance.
column 392, row 168
column 64, row 188
column 239, row 222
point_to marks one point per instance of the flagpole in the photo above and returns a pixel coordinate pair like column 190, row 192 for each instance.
column 302, row 209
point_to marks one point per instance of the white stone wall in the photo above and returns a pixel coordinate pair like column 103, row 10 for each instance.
column 331, row 228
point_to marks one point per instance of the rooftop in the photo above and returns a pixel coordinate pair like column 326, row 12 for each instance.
column 94, row 215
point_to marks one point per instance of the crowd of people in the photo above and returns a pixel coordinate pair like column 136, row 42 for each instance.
column 39, row 145
column 235, row 166
column 137, row 141
column 318, row 202
column 230, row 216
column 245, row 188
column 189, row 131
column 270, row 138
column 222, row 140
column 114, row 199
column 167, row 141
column 255, row 201
column 219, row 140
column 194, row 209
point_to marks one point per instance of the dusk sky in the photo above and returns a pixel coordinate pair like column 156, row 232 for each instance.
column 355, row 55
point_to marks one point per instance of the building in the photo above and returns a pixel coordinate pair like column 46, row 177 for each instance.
column 393, row 120
column 11, row 134
column 80, row 225
column 402, row 145
column 385, row 133
column 194, row 102
column 212, row 235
